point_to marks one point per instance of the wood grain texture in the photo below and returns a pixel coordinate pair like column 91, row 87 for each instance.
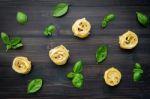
column 36, row 47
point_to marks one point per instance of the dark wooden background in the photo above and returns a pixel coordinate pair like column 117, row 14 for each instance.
column 36, row 47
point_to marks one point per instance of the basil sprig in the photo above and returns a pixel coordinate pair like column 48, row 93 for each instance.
column 11, row 44
column 49, row 30
column 21, row 18
column 34, row 86
column 108, row 18
column 137, row 72
column 142, row 19
column 76, row 75
column 60, row 9
column 101, row 53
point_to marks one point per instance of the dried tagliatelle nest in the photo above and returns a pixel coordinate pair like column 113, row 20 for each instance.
column 128, row 40
column 81, row 28
column 112, row 76
column 21, row 65
column 59, row 55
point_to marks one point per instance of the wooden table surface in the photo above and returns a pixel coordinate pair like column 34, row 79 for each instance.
column 36, row 47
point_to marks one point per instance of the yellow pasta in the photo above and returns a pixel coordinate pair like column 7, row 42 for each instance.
column 81, row 28
column 21, row 65
column 128, row 40
column 112, row 76
column 59, row 55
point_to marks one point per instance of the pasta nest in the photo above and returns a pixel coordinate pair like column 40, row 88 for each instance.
column 81, row 28
column 128, row 40
column 112, row 76
column 21, row 65
column 59, row 55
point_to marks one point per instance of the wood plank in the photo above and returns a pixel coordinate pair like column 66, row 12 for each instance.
column 36, row 47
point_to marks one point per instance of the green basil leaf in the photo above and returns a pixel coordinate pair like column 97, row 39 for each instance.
column 142, row 19
column 104, row 24
column 108, row 18
column 34, row 85
column 138, row 70
column 21, row 18
column 70, row 75
column 49, row 30
column 77, row 82
column 79, row 75
column 5, row 38
column 137, row 66
column 15, row 41
column 60, row 9
column 78, row 67
column 17, row 46
column 101, row 54
column 137, row 76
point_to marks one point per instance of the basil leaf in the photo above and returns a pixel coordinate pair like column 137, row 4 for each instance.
column 104, row 24
column 137, row 66
column 101, row 54
column 34, row 85
column 78, row 67
column 108, row 18
column 77, row 81
column 79, row 75
column 138, row 70
column 142, row 19
column 15, row 41
column 137, row 76
column 60, row 9
column 17, row 46
column 70, row 75
column 21, row 18
column 49, row 30
column 5, row 38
